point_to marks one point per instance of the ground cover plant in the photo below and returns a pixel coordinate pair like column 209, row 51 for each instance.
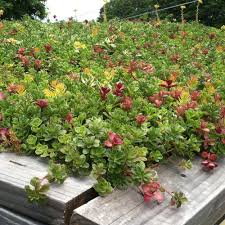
column 112, row 100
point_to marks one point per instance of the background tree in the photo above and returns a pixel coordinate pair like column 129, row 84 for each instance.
column 16, row 9
column 211, row 12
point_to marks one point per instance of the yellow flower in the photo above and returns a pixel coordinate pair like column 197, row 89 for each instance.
column 223, row 27
column 95, row 32
column 200, row 1
column 87, row 71
column 156, row 6
column 48, row 93
column 78, row 45
column 219, row 48
column 12, row 41
column 58, row 87
column 109, row 74
column 20, row 89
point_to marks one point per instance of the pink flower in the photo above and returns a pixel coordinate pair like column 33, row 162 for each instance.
column 2, row 96
column 140, row 119
column 104, row 92
column 119, row 88
column 69, row 118
column 42, row 103
column 126, row 103
column 113, row 140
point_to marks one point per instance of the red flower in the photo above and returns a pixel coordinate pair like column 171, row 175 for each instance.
column 113, row 140
column 69, row 118
column 48, row 48
column 37, row 64
column 104, row 92
column 168, row 84
column 126, row 103
column 2, row 96
column 21, row 51
column 42, row 103
column 119, row 88
column 140, row 119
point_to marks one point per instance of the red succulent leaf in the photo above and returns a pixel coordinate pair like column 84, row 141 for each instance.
column 213, row 157
column 195, row 95
column 21, row 51
column 176, row 94
column 69, row 118
column 104, row 92
column 114, row 139
column 119, row 88
column 205, row 155
column 48, row 48
column 126, row 103
column 108, row 144
column 148, row 197
column 223, row 140
column 37, row 64
column 158, row 196
column 140, row 119
column 2, row 96
column 42, row 103
column 168, row 84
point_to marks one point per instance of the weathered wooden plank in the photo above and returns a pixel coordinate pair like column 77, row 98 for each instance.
column 16, row 171
column 205, row 191
column 10, row 218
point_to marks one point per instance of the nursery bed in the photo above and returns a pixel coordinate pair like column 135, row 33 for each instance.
column 205, row 191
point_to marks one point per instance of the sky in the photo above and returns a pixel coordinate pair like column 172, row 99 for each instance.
column 85, row 9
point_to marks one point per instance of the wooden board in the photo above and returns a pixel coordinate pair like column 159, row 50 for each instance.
column 16, row 171
column 205, row 191
column 10, row 218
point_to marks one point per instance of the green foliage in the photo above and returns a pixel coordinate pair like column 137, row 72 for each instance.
column 103, row 187
column 178, row 199
column 55, row 108
column 36, row 191
column 17, row 9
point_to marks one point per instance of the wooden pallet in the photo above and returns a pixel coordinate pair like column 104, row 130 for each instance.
column 205, row 191
column 16, row 172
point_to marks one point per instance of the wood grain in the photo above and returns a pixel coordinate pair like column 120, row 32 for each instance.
column 205, row 191
column 16, row 171
column 10, row 218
